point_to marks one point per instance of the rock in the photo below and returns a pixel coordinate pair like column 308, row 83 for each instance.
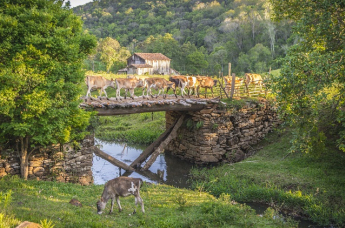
column 75, row 203
column 208, row 158
column 27, row 224
column 38, row 171
column 85, row 180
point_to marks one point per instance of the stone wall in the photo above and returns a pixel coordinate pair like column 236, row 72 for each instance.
column 69, row 165
column 221, row 134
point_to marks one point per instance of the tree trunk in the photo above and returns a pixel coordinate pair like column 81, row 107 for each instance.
column 24, row 157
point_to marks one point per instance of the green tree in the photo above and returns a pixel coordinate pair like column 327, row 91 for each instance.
column 196, row 62
column 110, row 51
column 42, row 47
column 310, row 89
column 256, row 61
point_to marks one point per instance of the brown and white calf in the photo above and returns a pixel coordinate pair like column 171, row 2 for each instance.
column 129, row 84
column 98, row 82
column 120, row 186
column 159, row 84
column 179, row 81
column 238, row 83
column 207, row 83
column 144, row 85
column 255, row 79
column 193, row 84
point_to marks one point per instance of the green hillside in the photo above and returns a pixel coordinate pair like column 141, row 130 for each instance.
column 201, row 37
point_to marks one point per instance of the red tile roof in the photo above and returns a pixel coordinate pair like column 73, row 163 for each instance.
column 152, row 56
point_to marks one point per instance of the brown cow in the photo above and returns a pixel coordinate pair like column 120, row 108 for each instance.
column 207, row 83
column 121, row 186
column 179, row 81
column 159, row 84
column 193, row 84
column 98, row 82
column 144, row 86
column 255, row 79
column 129, row 84
column 238, row 83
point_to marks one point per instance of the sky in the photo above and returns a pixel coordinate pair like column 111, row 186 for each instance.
column 75, row 3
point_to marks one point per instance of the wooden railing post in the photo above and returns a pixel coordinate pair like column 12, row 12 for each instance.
column 232, row 86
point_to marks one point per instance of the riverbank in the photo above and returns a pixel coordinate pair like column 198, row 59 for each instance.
column 294, row 183
column 165, row 206
column 141, row 128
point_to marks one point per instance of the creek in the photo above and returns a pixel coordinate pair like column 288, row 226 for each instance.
column 166, row 169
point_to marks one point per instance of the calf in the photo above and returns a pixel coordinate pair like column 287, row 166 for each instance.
column 193, row 83
column 159, row 84
column 179, row 81
column 98, row 82
column 121, row 186
column 144, row 86
column 255, row 79
column 207, row 83
column 238, row 83
column 129, row 84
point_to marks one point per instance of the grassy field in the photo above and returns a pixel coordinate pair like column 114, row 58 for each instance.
column 165, row 206
column 296, row 183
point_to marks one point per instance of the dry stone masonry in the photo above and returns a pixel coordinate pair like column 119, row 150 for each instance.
column 68, row 165
column 222, row 134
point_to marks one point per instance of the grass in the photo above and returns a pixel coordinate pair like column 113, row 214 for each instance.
column 296, row 183
column 165, row 206
column 141, row 128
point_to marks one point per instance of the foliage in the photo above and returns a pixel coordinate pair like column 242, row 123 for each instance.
column 162, row 210
column 42, row 47
column 143, row 128
column 110, row 52
column 6, row 218
column 220, row 30
column 310, row 88
column 294, row 183
column 46, row 224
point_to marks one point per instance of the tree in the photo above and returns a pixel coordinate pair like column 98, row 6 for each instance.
column 310, row 89
column 42, row 47
column 196, row 62
column 110, row 51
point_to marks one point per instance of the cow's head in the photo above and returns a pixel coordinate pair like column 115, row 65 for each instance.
column 100, row 206
column 215, row 82
column 112, row 83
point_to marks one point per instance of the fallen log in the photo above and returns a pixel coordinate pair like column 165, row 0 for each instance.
column 150, row 149
column 163, row 144
column 111, row 159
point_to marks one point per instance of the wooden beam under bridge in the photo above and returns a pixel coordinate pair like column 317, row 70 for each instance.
column 111, row 159
column 111, row 107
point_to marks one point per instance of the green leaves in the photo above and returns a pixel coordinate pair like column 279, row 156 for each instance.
column 42, row 47
column 310, row 88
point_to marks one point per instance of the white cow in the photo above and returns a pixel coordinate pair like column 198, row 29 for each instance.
column 98, row 82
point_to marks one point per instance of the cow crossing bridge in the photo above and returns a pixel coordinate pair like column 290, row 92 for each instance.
column 111, row 106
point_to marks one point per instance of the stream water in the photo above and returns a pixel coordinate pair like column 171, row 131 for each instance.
column 166, row 169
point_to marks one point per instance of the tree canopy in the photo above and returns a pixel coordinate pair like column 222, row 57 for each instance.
column 311, row 87
column 222, row 30
column 42, row 47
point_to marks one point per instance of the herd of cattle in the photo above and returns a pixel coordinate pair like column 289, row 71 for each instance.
column 190, row 83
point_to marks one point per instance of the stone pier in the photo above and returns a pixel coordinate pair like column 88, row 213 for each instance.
column 222, row 134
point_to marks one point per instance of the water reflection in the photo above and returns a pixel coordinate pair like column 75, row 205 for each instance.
column 166, row 169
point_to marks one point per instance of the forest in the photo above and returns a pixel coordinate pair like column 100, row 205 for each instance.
column 201, row 37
